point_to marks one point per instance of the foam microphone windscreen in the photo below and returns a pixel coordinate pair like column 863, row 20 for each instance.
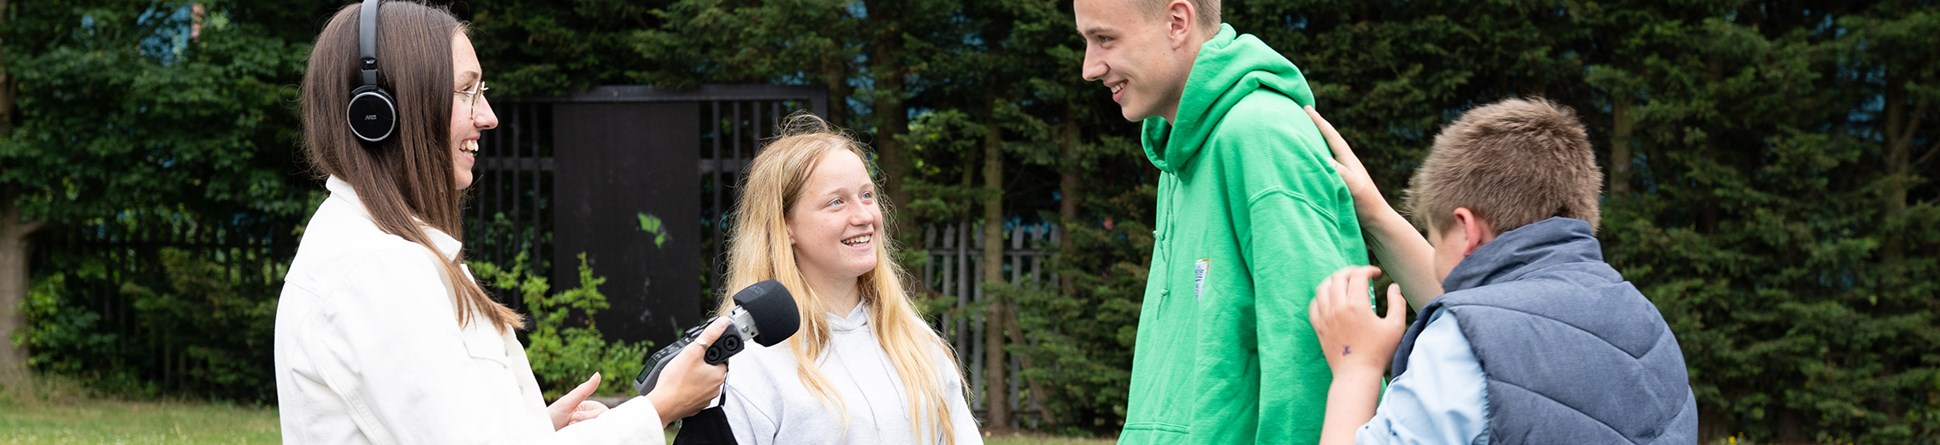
column 773, row 311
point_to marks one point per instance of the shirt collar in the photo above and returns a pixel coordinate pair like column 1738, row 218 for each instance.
column 1524, row 250
column 447, row 246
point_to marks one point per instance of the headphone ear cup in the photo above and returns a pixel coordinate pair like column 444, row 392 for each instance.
column 372, row 113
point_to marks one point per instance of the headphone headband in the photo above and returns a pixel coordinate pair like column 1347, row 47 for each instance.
column 372, row 113
column 367, row 41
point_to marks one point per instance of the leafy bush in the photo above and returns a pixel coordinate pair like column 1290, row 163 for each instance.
column 201, row 324
column 564, row 352
column 218, row 312
column 59, row 330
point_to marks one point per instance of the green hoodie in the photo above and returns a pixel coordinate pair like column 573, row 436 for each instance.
column 1251, row 217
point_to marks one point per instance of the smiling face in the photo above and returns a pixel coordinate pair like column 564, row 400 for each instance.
column 833, row 224
column 469, row 120
column 1142, row 58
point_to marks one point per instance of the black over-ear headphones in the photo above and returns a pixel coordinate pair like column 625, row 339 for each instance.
column 372, row 113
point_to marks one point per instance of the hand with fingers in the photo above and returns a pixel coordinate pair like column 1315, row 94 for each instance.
column 1352, row 337
column 1359, row 183
column 1390, row 237
column 573, row 407
column 688, row 383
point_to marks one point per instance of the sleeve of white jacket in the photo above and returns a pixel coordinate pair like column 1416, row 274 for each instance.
column 391, row 347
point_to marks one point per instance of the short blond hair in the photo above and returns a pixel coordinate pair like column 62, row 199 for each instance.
column 1512, row 163
column 1207, row 10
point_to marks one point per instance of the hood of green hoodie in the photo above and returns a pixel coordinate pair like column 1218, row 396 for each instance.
column 1228, row 67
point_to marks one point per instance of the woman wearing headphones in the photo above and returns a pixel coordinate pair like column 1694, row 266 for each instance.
column 382, row 335
column 865, row 368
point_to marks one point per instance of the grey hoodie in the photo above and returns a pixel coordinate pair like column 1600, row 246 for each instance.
column 768, row 404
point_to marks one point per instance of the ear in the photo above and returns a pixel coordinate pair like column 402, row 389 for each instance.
column 1475, row 229
column 791, row 234
column 1179, row 17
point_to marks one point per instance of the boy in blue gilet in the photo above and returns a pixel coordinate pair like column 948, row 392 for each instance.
column 1537, row 339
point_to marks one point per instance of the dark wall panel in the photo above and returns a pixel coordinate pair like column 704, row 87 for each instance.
column 615, row 162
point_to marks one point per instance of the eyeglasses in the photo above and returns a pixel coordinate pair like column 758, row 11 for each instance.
column 471, row 97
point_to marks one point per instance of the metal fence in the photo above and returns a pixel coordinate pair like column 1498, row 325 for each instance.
column 517, row 201
column 955, row 268
column 163, row 297
column 512, row 202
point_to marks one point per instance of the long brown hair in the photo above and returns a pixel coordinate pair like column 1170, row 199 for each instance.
column 759, row 250
column 406, row 182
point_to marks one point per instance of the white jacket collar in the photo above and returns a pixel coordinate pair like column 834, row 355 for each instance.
column 340, row 189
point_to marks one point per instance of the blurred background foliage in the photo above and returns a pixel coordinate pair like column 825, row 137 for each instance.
column 1770, row 169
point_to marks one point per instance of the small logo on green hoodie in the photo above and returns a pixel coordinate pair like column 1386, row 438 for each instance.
column 1199, row 277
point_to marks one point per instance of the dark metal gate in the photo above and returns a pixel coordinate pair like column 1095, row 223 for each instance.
column 637, row 179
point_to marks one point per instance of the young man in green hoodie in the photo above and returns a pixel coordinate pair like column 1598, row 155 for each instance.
column 1251, row 216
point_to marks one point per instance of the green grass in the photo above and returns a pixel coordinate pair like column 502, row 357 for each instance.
column 84, row 420
column 107, row 421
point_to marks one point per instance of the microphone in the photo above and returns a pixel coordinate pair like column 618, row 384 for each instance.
column 763, row 312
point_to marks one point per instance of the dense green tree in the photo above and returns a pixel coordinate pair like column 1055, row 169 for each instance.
column 870, row 55
column 1767, row 209
column 140, row 114
column 543, row 48
column 14, row 245
column 1769, row 162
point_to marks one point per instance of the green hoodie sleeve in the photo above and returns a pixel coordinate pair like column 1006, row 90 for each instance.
column 1287, row 266
column 1298, row 228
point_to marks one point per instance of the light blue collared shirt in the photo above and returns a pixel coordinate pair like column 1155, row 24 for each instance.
column 1439, row 400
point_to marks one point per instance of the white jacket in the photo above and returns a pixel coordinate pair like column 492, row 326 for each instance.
column 369, row 350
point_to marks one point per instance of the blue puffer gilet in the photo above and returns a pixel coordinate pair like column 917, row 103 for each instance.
column 1571, row 352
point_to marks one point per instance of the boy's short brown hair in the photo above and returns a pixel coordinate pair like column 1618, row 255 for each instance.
column 1512, row 163
column 1208, row 12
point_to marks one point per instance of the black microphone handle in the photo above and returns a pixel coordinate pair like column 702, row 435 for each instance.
column 644, row 382
column 726, row 346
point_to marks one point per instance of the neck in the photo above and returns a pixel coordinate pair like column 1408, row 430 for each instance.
column 1191, row 57
column 838, row 292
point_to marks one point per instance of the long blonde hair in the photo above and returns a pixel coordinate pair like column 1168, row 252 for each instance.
column 759, row 250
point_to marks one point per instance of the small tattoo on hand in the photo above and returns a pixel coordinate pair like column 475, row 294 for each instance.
column 1346, row 350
